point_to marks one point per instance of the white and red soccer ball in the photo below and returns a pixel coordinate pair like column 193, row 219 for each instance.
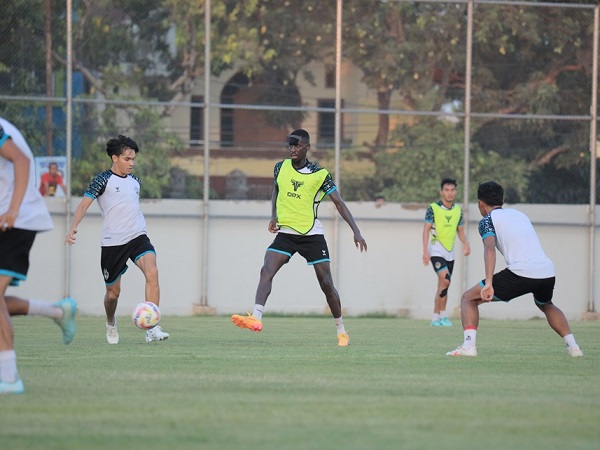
column 146, row 315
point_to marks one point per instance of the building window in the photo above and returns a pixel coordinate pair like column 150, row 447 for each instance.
column 330, row 78
column 326, row 125
column 197, row 121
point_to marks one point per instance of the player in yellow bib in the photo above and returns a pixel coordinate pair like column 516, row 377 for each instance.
column 443, row 222
column 300, row 185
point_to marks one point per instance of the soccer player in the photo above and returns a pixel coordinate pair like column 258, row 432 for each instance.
column 23, row 214
column 123, row 231
column 443, row 222
column 300, row 185
column 528, row 270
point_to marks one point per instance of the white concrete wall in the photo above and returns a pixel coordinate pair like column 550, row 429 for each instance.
column 388, row 278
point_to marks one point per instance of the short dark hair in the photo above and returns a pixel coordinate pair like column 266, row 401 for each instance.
column 447, row 181
column 299, row 136
column 117, row 145
column 491, row 193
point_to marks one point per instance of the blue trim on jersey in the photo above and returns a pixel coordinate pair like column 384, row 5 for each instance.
column 488, row 234
column 142, row 254
column 319, row 261
column 89, row 196
column 4, row 138
column 279, row 251
column 331, row 190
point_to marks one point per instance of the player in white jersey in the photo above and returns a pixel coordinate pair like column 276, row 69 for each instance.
column 123, row 232
column 528, row 270
column 23, row 214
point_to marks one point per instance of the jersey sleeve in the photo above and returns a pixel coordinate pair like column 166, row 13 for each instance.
column 3, row 136
column 429, row 215
column 486, row 227
column 97, row 185
column 328, row 185
column 276, row 171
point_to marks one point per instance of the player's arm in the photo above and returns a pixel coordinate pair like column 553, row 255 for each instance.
column 426, row 231
column 463, row 238
column 273, row 227
column 489, row 259
column 20, row 162
column 78, row 217
column 359, row 241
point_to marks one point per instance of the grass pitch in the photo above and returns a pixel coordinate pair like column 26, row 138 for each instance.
column 214, row 386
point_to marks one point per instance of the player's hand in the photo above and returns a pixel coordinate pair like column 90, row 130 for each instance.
column 487, row 293
column 7, row 220
column 426, row 258
column 70, row 239
column 360, row 242
column 467, row 249
column 273, row 227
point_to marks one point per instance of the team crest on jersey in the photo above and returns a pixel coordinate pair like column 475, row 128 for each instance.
column 105, row 273
column 437, row 265
column 297, row 184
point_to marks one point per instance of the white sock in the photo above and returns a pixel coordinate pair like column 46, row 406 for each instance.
column 443, row 314
column 570, row 341
column 258, row 311
column 435, row 317
column 339, row 325
column 41, row 308
column 470, row 338
column 8, row 366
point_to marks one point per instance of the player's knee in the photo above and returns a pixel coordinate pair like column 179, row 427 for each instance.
column 444, row 292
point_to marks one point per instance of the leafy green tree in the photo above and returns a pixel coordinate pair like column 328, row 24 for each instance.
column 432, row 149
column 152, row 164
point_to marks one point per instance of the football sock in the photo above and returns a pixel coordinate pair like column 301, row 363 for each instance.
column 570, row 341
column 339, row 325
column 470, row 337
column 258, row 311
column 443, row 314
column 41, row 308
column 8, row 366
column 435, row 317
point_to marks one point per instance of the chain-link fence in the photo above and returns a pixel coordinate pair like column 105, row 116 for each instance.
column 414, row 77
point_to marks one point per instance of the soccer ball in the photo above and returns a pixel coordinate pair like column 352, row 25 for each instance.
column 146, row 315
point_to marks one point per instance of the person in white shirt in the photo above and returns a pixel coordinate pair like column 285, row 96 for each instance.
column 528, row 270
column 23, row 213
column 123, row 232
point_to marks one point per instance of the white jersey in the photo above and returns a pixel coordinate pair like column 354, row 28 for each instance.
column 33, row 214
column 119, row 201
column 518, row 242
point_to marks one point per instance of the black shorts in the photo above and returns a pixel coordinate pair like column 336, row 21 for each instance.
column 15, row 245
column 440, row 263
column 508, row 285
column 313, row 247
column 113, row 259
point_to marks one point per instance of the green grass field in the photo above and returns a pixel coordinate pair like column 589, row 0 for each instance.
column 212, row 385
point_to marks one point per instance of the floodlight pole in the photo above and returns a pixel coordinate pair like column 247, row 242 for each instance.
column 593, row 163
column 467, row 134
column 69, row 150
column 338, row 125
column 206, row 198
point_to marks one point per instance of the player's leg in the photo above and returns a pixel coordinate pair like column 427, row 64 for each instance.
column 323, row 272
column 469, row 314
column 111, row 300
column 10, row 383
column 62, row 312
column 279, row 253
column 542, row 295
column 147, row 264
